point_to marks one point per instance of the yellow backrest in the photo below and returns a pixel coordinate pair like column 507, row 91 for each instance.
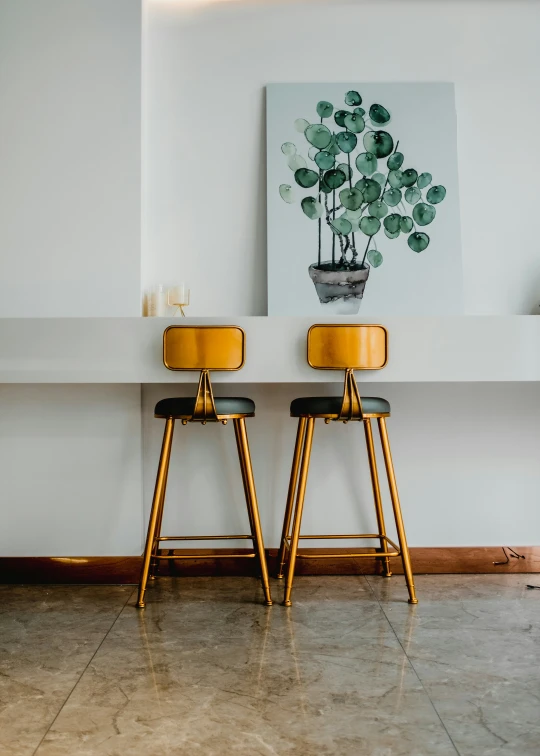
column 347, row 346
column 204, row 348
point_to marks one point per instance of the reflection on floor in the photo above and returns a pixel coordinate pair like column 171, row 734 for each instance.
column 206, row 669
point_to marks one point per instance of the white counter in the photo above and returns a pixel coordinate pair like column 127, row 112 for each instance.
column 128, row 350
column 78, row 459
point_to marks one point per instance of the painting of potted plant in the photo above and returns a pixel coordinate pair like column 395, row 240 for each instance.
column 355, row 185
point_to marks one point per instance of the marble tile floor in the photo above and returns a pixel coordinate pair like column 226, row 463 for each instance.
column 206, row 669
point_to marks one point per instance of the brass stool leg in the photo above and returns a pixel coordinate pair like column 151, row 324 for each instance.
column 290, row 495
column 252, row 505
column 376, row 492
column 154, row 563
column 298, row 510
column 245, row 482
column 159, row 497
column 152, row 572
column 405, row 556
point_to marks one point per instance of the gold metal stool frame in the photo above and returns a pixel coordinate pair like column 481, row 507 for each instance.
column 344, row 347
column 203, row 348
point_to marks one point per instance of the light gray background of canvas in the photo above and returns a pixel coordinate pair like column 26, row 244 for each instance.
column 424, row 121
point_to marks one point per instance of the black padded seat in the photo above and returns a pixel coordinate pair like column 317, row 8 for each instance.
column 331, row 405
column 184, row 406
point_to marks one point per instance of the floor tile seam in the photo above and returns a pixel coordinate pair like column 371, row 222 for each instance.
column 115, row 620
column 412, row 666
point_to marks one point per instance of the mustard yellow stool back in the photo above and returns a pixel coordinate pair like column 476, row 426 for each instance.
column 347, row 348
column 203, row 348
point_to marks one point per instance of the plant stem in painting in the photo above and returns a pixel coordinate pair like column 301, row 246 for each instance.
column 357, row 187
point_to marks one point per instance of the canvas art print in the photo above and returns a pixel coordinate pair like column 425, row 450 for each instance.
column 363, row 209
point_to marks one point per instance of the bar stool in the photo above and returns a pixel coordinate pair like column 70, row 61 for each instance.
column 203, row 348
column 343, row 347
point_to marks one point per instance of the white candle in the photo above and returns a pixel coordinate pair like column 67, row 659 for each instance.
column 156, row 301
column 179, row 295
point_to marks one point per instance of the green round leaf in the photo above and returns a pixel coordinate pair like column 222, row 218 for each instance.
column 423, row 214
column 395, row 161
column 312, row 208
column 287, row 193
column 324, row 186
column 341, row 226
column 392, row 223
column 369, row 188
column 391, row 234
column 392, row 197
column 312, row 152
column 318, row 135
column 374, row 258
column 305, row 177
column 406, row 224
column 412, row 195
column 325, row 109
column 379, row 114
column 436, row 194
column 288, row 148
column 334, row 178
column 409, row 177
column 378, row 209
column 395, row 179
column 339, row 117
column 379, row 178
column 370, row 225
column 354, row 214
column 354, row 122
column 346, row 170
column 346, row 141
column 366, row 163
column 418, row 241
column 295, row 162
column 353, row 98
column 424, row 179
column 333, row 148
column 351, row 198
column 360, row 111
column 301, row 125
column 324, row 160
column 380, row 143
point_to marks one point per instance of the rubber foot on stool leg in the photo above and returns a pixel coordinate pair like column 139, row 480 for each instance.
column 287, row 603
column 280, row 577
column 140, row 604
column 413, row 601
column 268, row 603
column 387, row 574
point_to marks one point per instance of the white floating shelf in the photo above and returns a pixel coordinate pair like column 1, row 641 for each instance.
column 128, row 350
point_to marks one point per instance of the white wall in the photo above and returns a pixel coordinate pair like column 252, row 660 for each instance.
column 70, row 154
column 207, row 68
column 466, row 459
column 70, row 460
column 466, row 455
column 70, row 245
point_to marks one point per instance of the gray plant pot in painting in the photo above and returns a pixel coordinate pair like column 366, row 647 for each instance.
column 352, row 195
column 341, row 291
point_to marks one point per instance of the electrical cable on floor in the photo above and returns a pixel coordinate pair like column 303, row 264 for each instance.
column 513, row 554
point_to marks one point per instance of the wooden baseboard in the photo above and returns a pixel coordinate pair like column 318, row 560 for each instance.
column 114, row 570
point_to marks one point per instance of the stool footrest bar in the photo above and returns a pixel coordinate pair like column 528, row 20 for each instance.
column 374, row 536
column 356, row 555
column 205, row 556
column 206, row 538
